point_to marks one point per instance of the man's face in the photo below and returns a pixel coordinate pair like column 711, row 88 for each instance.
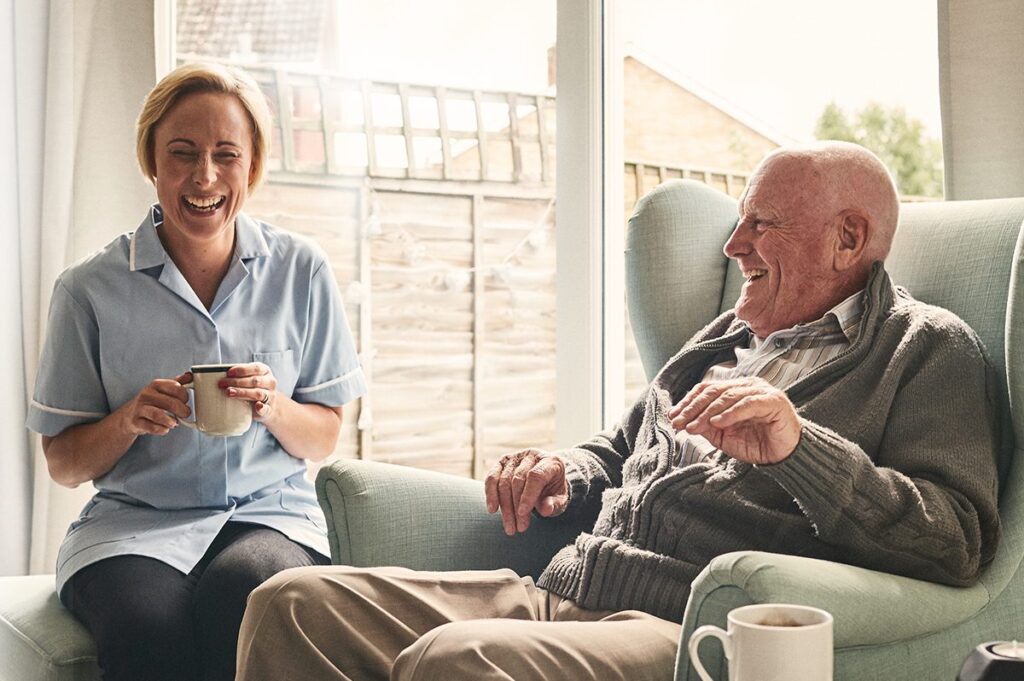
column 785, row 245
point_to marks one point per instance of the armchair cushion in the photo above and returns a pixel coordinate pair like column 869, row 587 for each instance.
column 39, row 639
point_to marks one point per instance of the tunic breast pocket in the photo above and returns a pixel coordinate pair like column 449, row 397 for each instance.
column 282, row 364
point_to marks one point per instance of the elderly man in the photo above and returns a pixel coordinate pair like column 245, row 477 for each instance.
column 828, row 415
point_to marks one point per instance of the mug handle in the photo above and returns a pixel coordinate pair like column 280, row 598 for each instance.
column 191, row 424
column 697, row 636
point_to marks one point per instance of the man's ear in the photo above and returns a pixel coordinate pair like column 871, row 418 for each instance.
column 852, row 240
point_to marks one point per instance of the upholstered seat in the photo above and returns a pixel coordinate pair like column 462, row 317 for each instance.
column 39, row 639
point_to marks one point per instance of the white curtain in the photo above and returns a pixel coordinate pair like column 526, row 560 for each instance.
column 73, row 74
column 981, row 82
column 19, row 103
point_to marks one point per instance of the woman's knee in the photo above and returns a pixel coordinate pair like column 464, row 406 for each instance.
column 230, row 578
column 294, row 590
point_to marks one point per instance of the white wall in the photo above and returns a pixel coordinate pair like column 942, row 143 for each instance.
column 981, row 68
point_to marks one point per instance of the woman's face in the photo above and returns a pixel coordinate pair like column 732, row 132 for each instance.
column 203, row 152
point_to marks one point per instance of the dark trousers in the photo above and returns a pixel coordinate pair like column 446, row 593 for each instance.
column 151, row 622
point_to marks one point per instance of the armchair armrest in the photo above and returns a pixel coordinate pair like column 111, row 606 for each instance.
column 869, row 607
column 382, row 514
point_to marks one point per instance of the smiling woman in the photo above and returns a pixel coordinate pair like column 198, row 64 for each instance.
column 203, row 153
column 185, row 524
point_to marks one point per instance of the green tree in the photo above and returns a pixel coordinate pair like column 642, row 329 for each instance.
column 914, row 158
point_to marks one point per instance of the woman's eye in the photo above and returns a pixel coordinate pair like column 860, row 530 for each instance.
column 182, row 153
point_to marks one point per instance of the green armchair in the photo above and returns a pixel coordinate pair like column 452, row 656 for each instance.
column 965, row 256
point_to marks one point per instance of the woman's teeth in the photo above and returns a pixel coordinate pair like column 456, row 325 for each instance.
column 755, row 274
column 205, row 205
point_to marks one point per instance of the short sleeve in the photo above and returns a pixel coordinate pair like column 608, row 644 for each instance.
column 330, row 373
column 68, row 389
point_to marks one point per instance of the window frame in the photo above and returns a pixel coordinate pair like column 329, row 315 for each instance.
column 590, row 346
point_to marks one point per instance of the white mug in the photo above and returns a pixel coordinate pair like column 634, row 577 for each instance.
column 216, row 413
column 772, row 642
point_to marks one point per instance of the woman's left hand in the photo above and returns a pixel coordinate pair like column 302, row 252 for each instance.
column 254, row 383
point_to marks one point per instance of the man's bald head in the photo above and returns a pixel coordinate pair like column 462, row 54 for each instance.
column 812, row 220
column 845, row 177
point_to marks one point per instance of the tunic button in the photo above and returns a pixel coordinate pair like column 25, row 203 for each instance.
column 780, row 343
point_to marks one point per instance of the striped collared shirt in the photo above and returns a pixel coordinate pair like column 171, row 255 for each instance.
column 783, row 358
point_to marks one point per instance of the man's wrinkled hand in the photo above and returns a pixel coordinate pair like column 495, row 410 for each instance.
column 747, row 418
column 520, row 483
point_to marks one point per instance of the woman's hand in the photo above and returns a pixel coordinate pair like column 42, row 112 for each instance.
column 305, row 430
column 254, row 383
column 153, row 410
column 86, row 451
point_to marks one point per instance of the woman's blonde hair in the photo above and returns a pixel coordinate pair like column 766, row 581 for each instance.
column 204, row 77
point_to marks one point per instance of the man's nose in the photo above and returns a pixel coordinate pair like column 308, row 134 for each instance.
column 738, row 243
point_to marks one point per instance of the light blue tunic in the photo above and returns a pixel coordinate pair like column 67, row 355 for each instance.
column 125, row 316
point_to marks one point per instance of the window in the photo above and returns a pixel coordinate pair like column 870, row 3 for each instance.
column 414, row 140
column 711, row 87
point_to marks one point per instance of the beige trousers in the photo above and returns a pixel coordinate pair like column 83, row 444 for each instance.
column 354, row 624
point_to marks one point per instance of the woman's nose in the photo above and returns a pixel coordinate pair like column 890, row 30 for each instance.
column 204, row 172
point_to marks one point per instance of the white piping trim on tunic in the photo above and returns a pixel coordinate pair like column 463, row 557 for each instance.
column 131, row 252
column 65, row 412
column 329, row 383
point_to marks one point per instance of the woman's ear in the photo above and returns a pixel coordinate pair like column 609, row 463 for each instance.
column 852, row 240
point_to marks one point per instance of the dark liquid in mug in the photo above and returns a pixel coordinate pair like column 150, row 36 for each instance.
column 779, row 622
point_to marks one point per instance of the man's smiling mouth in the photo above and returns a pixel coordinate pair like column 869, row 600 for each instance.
column 753, row 274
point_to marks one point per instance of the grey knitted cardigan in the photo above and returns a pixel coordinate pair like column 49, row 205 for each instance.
column 895, row 469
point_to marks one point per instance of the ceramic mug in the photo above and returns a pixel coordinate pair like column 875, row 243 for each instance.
column 772, row 642
column 216, row 413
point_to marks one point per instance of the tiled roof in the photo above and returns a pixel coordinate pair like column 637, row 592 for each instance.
column 251, row 30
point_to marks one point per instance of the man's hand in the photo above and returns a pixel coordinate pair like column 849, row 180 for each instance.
column 524, row 481
column 747, row 418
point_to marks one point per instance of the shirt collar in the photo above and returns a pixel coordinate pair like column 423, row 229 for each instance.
column 842, row 318
column 145, row 249
column 848, row 314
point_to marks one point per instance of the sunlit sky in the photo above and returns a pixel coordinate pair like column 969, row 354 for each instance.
column 779, row 62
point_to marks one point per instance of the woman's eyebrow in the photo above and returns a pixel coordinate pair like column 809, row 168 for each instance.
column 222, row 143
